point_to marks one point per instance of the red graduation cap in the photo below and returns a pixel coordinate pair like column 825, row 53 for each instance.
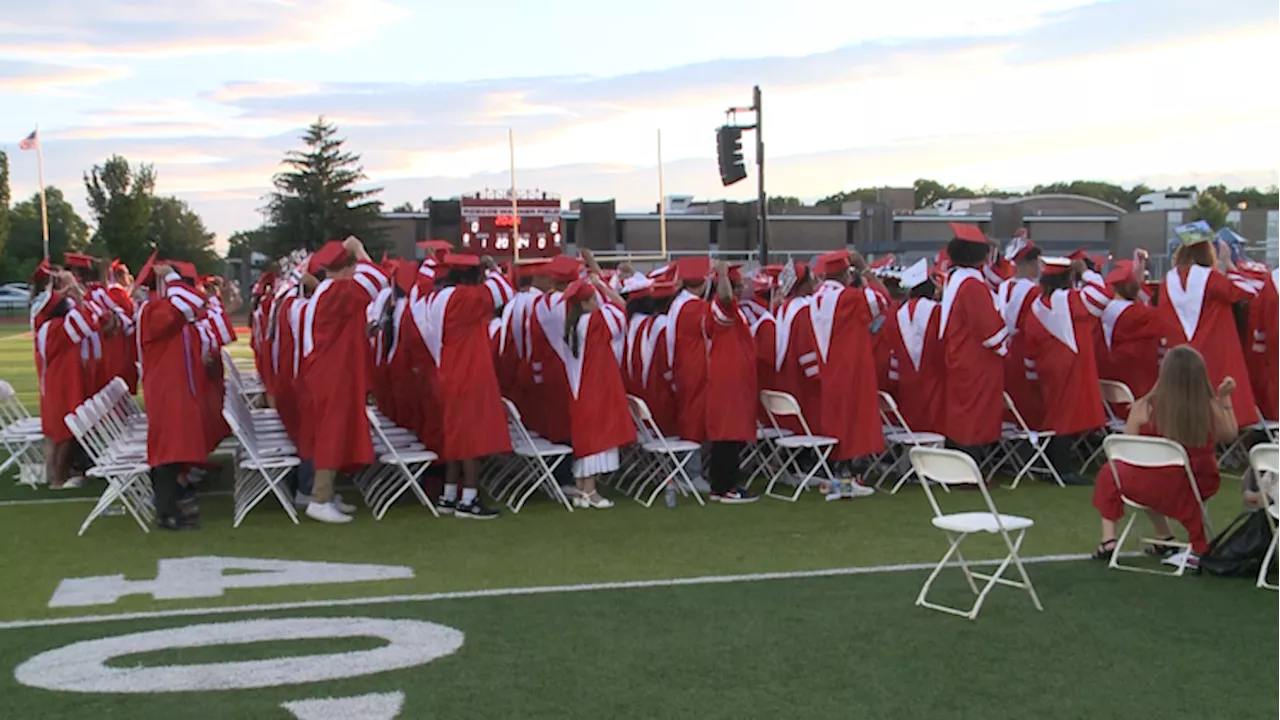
column 444, row 245
column 147, row 273
column 43, row 271
column 578, row 291
column 185, row 270
column 885, row 261
column 1078, row 254
column 77, row 260
column 331, row 255
column 1121, row 272
column 693, row 269
column 665, row 273
column 833, row 263
column 1056, row 266
column 529, row 268
column 735, row 273
column 405, row 275
column 460, row 261
column 772, row 271
column 762, row 283
column 968, row 233
column 562, row 269
column 663, row 288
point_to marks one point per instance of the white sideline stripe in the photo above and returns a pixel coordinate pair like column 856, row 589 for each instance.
column 516, row 591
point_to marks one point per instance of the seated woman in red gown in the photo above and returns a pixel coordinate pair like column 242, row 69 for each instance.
column 1185, row 408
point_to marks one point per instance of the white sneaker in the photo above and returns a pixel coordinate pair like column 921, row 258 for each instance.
column 345, row 507
column 327, row 513
column 857, row 489
column 72, row 483
column 301, row 501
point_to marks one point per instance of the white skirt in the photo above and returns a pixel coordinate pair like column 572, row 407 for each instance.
column 598, row 464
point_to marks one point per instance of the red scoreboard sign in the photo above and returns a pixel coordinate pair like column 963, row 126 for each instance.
column 489, row 227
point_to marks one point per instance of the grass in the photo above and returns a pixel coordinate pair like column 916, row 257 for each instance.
column 1109, row 644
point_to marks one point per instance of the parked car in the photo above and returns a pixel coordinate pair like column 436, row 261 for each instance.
column 11, row 299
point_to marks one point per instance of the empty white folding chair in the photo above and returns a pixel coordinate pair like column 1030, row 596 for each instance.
column 669, row 457
column 899, row 438
column 780, row 405
column 128, row 478
column 250, row 390
column 21, row 438
column 1150, row 453
column 402, row 470
column 533, row 466
column 1012, row 438
column 1264, row 459
column 950, row 467
column 261, row 467
column 1114, row 393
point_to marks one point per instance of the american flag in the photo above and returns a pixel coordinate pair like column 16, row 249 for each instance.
column 30, row 142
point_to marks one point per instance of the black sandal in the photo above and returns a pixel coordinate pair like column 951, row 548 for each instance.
column 1105, row 550
column 1159, row 549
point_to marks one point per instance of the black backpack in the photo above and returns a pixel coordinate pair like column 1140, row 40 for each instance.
column 1238, row 551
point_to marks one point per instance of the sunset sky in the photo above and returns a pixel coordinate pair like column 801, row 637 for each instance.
column 1005, row 93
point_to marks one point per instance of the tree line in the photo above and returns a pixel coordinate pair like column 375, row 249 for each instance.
column 128, row 219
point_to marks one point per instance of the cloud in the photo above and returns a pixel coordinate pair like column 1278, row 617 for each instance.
column 133, row 27
column 20, row 76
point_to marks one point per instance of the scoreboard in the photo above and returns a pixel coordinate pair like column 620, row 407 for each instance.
column 490, row 228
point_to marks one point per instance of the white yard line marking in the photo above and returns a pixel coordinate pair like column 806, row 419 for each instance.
column 511, row 592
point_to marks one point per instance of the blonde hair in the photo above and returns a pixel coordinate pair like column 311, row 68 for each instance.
column 1198, row 254
column 1181, row 402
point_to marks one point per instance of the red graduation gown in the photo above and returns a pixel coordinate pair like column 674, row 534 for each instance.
column 1132, row 333
column 922, row 366
column 1264, row 348
column 335, row 377
column 765, row 333
column 475, row 422
column 732, row 390
column 1196, row 307
column 687, row 353
column 1060, row 339
column 657, row 375
column 599, row 414
column 973, row 336
column 430, row 424
column 60, row 373
column 170, row 350
column 798, row 363
column 1020, row 378
column 842, row 318
column 551, row 385
column 282, row 361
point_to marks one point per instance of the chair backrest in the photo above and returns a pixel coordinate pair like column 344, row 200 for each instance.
column 1149, row 452
column 890, row 415
column 779, row 404
column 1017, row 416
column 520, row 436
column 1264, row 459
column 949, row 467
column 1115, row 393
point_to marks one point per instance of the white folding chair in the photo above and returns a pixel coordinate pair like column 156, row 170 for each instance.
column 128, row 477
column 22, row 439
column 400, row 470
column 780, row 404
column 1234, row 454
column 950, row 467
column 1113, row 393
column 669, row 457
column 1264, row 459
column 533, row 466
column 1149, row 453
column 762, row 455
column 261, row 465
column 250, row 389
column 1013, row 435
column 899, row 438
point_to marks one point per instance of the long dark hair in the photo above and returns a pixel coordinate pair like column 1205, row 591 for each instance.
column 640, row 306
column 1180, row 401
column 571, row 316
column 967, row 254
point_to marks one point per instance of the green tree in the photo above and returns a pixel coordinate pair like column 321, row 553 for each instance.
column 1210, row 209
column 780, row 203
column 176, row 232
column 836, row 201
column 930, row 191
column 4, row 201
column 316, row 198
column 25, row 248
column 121, row 197
column 404, row 207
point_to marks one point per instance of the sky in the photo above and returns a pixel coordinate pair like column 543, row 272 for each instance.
column 1003, row 93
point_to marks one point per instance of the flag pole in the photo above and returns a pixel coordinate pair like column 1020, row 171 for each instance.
column 662, row 201
column 44, row 206
column 515, row 205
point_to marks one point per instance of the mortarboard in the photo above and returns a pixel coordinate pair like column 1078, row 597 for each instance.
column 735, row 273
column 530, row 268
column 563, row 268
column 405, row 275
column 185, row 270
column 331, row 255
column 968, row 233
column 43, row 271
column 1018, row 248
column 147, row 273
column 883, row 262
column 77, row 260
column 663, row 288
column 578, row 291
column 772, row 271
column 1121, row 272
column 460, row 261
column 917, row 274
column 635, row 284
column 435, row 245
column 1056, row 265
column 833, row 263
column 693, row 269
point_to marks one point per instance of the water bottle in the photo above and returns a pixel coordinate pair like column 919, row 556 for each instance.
column 669, row 495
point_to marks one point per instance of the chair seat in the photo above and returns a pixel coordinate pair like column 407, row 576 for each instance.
column 672, row 444
column 264, row 463
column 807, row 441
column 915, row 438
column 1013, row 433
column 772, row 433
column 33, row 436
column 541, row 450
column 971, row 522
column 409, row 458
column 102, row 471
column 402, row 448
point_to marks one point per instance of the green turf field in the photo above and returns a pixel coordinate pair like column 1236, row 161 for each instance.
column 770, row 610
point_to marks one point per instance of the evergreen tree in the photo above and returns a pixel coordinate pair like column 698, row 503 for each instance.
column 316, row 198
column 121, row 197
